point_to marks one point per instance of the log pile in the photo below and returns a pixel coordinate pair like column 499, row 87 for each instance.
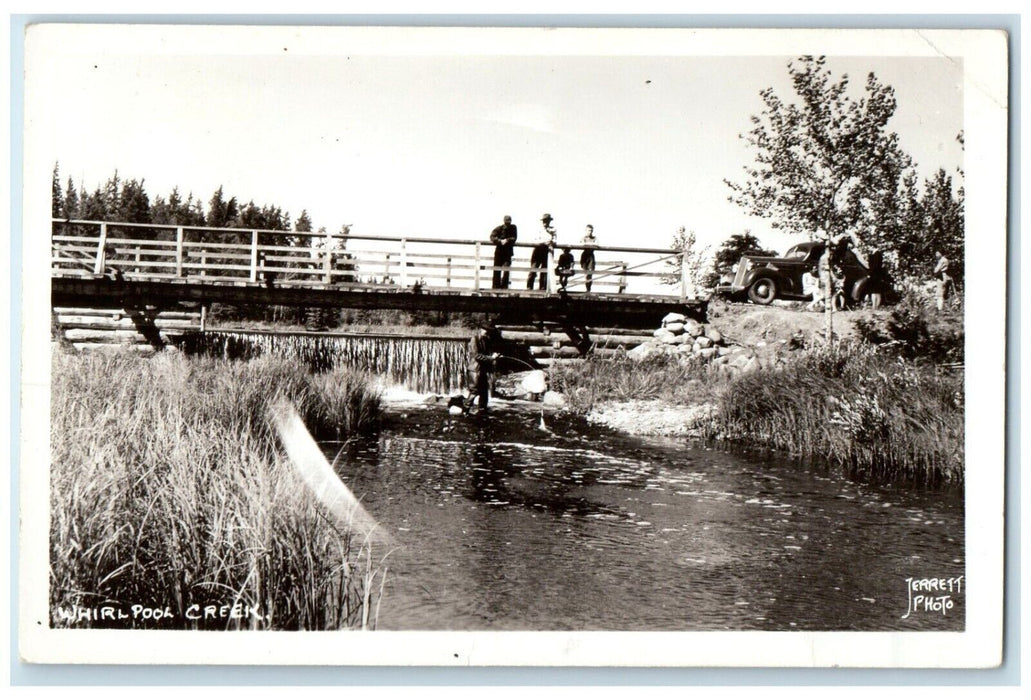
column 141, row 330
column 548, row 343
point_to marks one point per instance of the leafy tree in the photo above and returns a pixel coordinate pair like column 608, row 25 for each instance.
column 303, row 223
column 729, row 252
column 694, row 257
column 824, row 165
column 944, row 223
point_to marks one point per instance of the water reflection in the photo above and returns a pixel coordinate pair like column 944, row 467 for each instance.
column 505, row 526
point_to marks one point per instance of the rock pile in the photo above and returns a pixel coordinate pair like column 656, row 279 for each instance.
column 686, row 338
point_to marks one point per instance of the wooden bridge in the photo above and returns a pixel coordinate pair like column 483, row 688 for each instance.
column 122, row 265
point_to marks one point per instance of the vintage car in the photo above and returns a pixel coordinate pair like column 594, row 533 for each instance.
column 762, row 279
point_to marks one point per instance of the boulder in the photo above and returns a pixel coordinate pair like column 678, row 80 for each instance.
column 664, row 336
column 714, row 335
column 693, row 328
column 535, row 382
column 703, row 342
column 674, row 327
column 724, row 350
column 644, row 351
column 739, row 359
column 673, row 317
column 751, row 365
column 707, row 353
column 554, row 398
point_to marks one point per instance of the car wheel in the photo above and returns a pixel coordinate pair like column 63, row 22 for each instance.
column 763, row 291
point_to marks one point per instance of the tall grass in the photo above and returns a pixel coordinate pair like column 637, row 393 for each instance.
column 168, row 491
column 879, row 417
column 678, row 380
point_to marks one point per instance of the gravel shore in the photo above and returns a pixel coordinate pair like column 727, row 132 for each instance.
column 652, row 418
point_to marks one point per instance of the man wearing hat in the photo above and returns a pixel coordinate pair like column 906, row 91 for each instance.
column 543, row 242
column 503, row 237
column 482, row 358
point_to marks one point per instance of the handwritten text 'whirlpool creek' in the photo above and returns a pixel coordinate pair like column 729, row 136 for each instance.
column 114, row 613
column 932, row 595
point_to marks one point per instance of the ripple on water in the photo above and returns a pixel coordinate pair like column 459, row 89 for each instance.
column 536, row 531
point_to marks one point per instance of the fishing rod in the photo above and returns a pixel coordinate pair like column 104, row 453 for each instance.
column 541, row 425
column 523, row 362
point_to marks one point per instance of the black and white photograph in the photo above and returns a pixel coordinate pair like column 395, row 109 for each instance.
column 513, row 346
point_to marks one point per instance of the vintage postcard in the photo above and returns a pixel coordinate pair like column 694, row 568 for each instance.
column 513, row 346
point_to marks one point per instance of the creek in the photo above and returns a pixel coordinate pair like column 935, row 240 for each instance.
column 500, row 525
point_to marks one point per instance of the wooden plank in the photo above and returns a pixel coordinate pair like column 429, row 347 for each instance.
column 101, row 336
column 70, row 322
column 115, row 347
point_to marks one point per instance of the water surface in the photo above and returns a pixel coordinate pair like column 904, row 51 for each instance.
column 500, row 525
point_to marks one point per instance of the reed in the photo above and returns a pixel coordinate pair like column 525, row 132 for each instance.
column 168, row 491
column 879, row 417
column 672, row 379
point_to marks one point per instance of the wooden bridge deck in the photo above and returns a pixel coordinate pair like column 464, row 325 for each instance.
column 131, row 265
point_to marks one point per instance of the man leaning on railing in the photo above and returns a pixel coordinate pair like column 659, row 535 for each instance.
column 543, row 241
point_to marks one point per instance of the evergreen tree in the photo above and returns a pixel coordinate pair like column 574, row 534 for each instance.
column 133, row 203
column 70, row 206
column 728, row 254
column 94, row 206
column 56, row 196
column 221, row 213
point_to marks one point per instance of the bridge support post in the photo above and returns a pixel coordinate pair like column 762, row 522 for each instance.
column 254, row 256
column 98, row 267
column 179, row 251
column 404, row 264
column 476, row 268
column 684, row 278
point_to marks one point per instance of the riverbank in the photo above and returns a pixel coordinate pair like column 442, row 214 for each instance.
column 873, row 404
column 169, row 491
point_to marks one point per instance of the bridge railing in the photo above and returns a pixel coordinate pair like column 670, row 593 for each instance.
column 200, row 254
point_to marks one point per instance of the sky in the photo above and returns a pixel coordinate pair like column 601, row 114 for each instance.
column 444, row 143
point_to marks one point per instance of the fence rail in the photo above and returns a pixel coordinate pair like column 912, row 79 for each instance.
column 151, row 252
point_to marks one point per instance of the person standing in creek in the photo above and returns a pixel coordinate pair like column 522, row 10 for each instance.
column 482, row 359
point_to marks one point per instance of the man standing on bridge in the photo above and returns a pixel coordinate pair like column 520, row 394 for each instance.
column 503, row 237
column 543, row 242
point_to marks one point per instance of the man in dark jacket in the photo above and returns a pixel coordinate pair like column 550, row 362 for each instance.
column 482, row 358
column 503, row 237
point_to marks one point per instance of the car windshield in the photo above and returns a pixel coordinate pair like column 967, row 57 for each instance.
column 797, row 253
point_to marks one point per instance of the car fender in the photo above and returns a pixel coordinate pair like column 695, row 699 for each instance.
column 777, row 276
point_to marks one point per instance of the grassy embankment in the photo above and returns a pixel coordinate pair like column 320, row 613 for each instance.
column 876, row 405
column 168, row 490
